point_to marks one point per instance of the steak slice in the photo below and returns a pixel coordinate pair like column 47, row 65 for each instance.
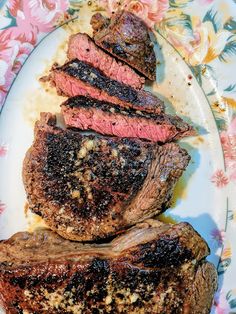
column 88, row 187
column 153, row 268
column 82, row 47
column 79, row 78
column 109, row 119
column 127, row 37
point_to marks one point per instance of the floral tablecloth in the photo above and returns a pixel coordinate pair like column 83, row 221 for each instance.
column 202, row 31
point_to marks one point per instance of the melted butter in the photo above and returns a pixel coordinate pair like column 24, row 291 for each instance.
column 41, row 100
column 180, row 191
column 84, row 12
column 167, row 219
column 34, row 221
column 198, row 140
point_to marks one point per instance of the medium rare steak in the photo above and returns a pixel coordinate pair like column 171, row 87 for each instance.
column 79, row 78
column 82, row 47
column 127, row 37
column 106, row 118
column 88, row 187
column 153, row 268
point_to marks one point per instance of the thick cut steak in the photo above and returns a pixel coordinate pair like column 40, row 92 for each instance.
column 88, row 187
column 80, row 78
column 153, row 268
column 109, row 119
column 82, row 47
column 127, row 37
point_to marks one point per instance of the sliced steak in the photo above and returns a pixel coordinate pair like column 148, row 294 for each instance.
column 79, row 78
column 88, row 187
column 82, row 47
column 153, row 268
column 127, row 37
column 109, row 119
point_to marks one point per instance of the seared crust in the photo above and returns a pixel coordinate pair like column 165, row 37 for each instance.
column 124, row 94
column 86, row 187
column 177, row 127
column 127, row 37
column 82, row 47
column 44, row 273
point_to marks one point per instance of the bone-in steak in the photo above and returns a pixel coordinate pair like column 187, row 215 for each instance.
column 80, row 78
column 109, row 119
column 127, row 37
column 153, row 268
column 88, row 187
column 82, row 47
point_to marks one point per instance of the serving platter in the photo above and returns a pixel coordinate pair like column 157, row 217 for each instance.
column 203, row 196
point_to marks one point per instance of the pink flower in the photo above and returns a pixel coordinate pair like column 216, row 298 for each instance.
column 151, row 11
column 219, row 179
column 3, row 150
column 12, row 55
column 218, row 236
column 2, row 207
column 33, row 16
column 221, row 304
column 228, row 140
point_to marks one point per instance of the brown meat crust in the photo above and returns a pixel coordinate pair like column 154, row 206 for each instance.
column 94, row 81
column 87, row 187
column 82, row 47
column 79, row 110
column 126, row 37
column 44, row 273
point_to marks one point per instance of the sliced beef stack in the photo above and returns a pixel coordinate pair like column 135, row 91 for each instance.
column 88, row 187
column 109, row 98
column 105, row 118
column 126, row 37
column 153, row 268
column 91, row 187
column 77, row 77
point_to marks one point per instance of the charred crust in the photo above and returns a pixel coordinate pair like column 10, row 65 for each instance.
column 108, row 183
column 88, row 74
column 94, row 77
column 126, row 36
column 106, row 107
column 165, row 252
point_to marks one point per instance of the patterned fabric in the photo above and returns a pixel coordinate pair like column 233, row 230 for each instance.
column 202, row 31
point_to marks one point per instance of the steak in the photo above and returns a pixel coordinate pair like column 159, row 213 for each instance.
column 88, row 187
column 82, row 47
column 109, row 119
column 127, row 37
column 79, row 78
column 153, row 268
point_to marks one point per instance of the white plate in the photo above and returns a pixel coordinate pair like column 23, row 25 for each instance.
column 196, row 199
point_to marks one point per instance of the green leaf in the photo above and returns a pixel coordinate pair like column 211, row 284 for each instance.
column 212, row 17
column 197, row 71
column 220, row 122
column 12, row 20
column 230, row 25
column 232, row 304
column 228, row 51
column 179, row 3
column 230, row 88
column 183, row 20
column 213, row 92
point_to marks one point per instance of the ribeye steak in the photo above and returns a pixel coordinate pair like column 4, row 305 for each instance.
column 82, row 47
column 127, row 37
column 90, row 114
column 88, row 187
column 153, row 268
